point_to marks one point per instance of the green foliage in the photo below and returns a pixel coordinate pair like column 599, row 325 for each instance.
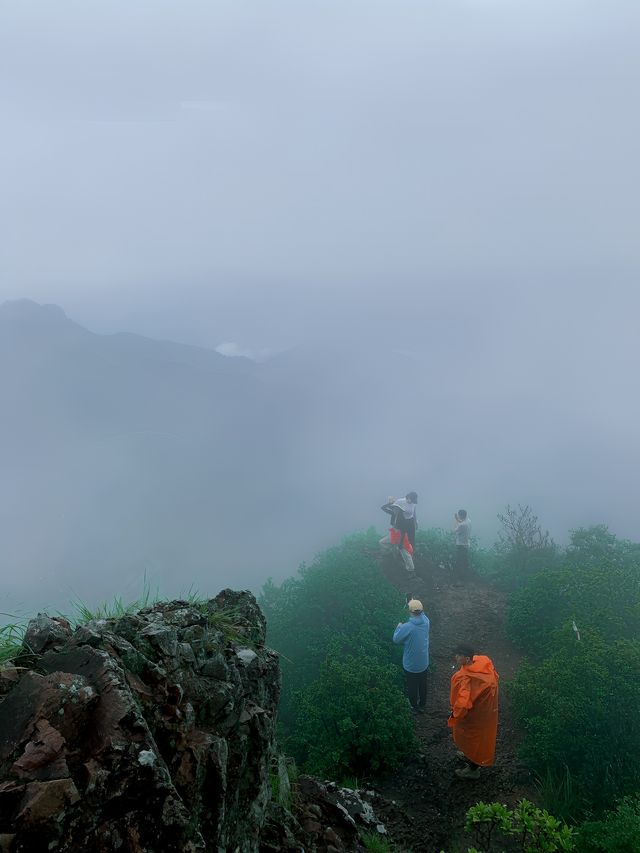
column 617, row 832
column 579, row 709
column 437, row 545
column 577, row 698
column 531, row 829
column 342, row 710
column 227, row 622
column 11, row 639
column 340, row 598
column 560, row 791
column 281, row 793
column 597, row 546
column 375, row 843
column 115, row 608
column 597, row 586
column 354, row 719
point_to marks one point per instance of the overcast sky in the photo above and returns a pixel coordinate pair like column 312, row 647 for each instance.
column 238, row 171
column 455, row 180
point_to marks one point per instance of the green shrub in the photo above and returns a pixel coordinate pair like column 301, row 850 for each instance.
column 529, row 829
column 343, row 598
column 354, row 719
column 374, row 843
column 597, row 586
column 617, row 832
column 436, row 545
column 579, row 709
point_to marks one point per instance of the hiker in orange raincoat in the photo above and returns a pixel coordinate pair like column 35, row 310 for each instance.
column 474, row 711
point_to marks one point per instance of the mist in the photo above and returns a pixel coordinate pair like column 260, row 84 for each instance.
column 412, row 231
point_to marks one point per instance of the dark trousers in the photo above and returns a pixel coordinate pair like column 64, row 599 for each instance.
column 411, row 531
column 417, row 688
column 461, row 565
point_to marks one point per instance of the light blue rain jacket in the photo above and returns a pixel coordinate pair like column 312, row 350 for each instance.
column 414, row 635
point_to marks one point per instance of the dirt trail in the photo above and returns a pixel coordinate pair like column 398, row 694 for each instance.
column 427, row 789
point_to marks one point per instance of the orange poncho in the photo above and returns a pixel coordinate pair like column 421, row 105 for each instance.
column 474, row 701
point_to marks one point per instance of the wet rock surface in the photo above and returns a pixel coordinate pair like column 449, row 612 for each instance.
column 324, row 818
column 152, row 732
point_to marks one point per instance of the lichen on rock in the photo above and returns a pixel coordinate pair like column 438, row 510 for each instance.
column 151, row 732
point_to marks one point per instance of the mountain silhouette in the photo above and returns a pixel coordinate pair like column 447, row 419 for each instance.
column 123, row 455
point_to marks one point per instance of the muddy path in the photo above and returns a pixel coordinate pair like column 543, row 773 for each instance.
column 427, row 790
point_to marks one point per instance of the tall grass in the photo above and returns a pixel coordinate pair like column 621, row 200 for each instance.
column 227, row 620
column 560, row 794
column 373, row 842
column 11, row 637
column 116, row 608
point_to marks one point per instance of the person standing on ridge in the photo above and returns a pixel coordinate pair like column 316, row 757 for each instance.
column 474, row 710
column 408, row 520
column 399, row 533
column 414, row 636
column 462, row 533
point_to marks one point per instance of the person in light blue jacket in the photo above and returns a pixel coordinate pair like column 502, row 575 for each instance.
column 414, row 636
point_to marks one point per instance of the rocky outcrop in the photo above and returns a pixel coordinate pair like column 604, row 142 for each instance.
column 152, row 732
column 323, row 817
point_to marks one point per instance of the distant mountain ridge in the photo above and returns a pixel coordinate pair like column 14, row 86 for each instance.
column 123, row 455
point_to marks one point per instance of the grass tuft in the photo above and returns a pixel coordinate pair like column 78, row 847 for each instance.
column 11, row 637
column 116, row 608
column 373, row 842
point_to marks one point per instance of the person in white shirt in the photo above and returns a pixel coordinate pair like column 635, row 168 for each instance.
column 462, row 532
column 407, row 518
column 403, row 521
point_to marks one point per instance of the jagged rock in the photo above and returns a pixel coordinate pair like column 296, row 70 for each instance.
column 150, row 733
column 323, row 817
column 9, row 675
column 45, row 632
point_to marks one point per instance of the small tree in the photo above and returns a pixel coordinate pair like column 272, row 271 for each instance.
column 523, row 547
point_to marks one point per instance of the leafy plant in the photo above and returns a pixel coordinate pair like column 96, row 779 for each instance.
column 436, row 545
column 597, row 586
column 342, row 597
column 576, row 708
column 618, row 831
column 11, row 641
column 533, row 830
column 375, row 843
column 354, row 719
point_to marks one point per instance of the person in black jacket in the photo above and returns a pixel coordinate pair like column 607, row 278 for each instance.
column 403, row 527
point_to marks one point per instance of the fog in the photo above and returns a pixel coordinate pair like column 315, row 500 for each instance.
column 417, row 223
